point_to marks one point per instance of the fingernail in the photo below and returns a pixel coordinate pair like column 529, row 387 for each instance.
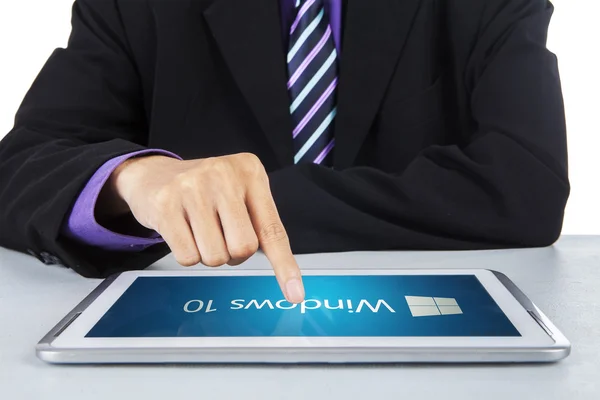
column 294, row 291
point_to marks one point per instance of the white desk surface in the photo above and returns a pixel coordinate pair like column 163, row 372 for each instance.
column 564, row 281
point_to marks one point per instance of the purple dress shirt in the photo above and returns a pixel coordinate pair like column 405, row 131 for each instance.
column 81, row 224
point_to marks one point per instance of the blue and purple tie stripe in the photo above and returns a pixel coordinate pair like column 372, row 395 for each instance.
column 312, row 66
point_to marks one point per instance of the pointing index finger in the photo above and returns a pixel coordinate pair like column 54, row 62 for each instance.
column 274, row 241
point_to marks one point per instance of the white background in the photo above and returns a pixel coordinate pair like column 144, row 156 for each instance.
column 31, row 29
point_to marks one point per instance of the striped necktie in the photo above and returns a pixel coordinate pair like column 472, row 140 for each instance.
column 313, row 78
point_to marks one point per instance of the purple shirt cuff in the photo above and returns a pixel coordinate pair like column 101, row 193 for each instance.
column 82, row 225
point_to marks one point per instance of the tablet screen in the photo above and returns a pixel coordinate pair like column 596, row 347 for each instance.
column 335, row 306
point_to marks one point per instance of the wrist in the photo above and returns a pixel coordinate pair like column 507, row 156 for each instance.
column 113, row 200
column 126, row 178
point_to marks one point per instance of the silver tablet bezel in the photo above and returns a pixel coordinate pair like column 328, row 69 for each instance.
column 537, row 333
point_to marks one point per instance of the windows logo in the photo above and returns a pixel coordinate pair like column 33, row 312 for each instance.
column 432, row 306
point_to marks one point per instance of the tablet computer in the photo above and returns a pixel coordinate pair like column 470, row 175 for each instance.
column 348, row 316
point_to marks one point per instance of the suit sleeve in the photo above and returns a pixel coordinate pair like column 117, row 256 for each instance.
column 83, row 227
column 506, row 187
column 83, row 109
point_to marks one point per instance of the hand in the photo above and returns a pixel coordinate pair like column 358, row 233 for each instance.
column 213, row 211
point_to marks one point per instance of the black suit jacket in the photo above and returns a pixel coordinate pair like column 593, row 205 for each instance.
column 450, row 132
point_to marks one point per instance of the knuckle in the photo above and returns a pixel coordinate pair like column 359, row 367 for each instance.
column 186, row 183
column 188, row 260
column 215, row 259
column 244, row 250
column 249, row 158
column 217, row 172
column 164, row 199
column 274, row 232
column 219, row 165
column 252, row 165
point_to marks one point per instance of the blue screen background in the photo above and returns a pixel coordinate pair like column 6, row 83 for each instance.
column 154, row 307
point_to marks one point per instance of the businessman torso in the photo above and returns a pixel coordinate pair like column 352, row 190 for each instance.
column 450, row 130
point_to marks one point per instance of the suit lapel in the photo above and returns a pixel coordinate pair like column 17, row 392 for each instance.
column 248, row 33
column 375, row 33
